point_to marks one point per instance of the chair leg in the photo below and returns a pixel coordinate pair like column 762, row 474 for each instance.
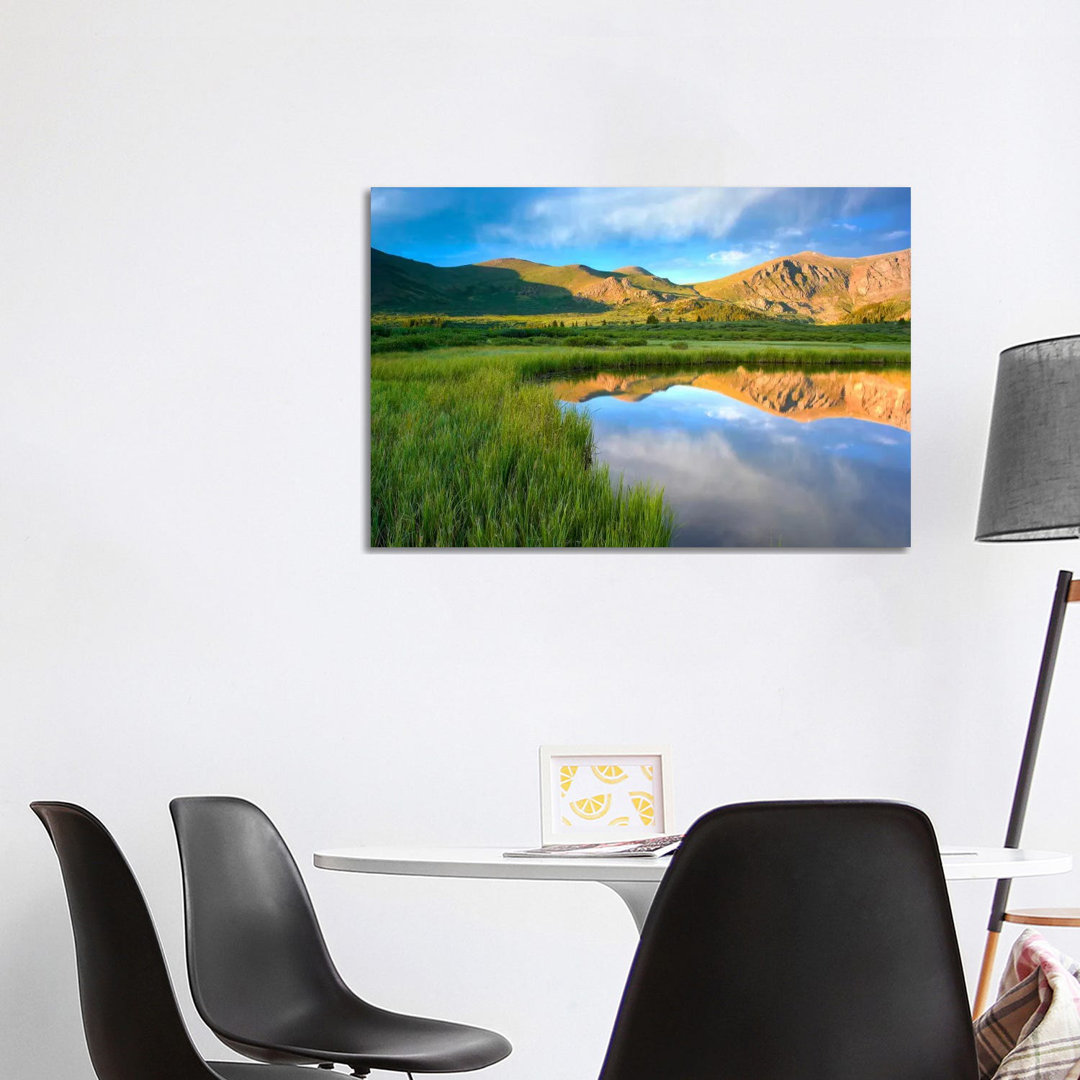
column 982, row 992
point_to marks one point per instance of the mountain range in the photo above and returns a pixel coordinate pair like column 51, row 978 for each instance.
column 884, row 396
column 806, row 286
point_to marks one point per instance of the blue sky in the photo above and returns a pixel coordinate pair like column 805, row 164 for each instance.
column 685, row 234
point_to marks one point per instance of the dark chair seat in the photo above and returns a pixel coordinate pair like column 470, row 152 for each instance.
column 357, row 1034
column 260, row 973
column 245, row 1070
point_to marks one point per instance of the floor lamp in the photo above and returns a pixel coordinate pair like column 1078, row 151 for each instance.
column 1031, row 491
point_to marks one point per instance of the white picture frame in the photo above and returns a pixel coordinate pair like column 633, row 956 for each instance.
column 596, row 793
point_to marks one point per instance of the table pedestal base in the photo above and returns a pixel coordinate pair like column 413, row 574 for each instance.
column 637, row 896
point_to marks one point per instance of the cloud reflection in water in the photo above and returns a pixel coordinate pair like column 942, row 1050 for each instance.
column 738, row 476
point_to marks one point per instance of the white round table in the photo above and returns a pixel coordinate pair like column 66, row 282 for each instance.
column 636, row 879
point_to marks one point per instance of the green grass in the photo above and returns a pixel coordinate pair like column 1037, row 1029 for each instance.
column 469, row 456
column 417, row 333
column 470, row 449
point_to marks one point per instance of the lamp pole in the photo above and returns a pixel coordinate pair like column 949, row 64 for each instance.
column 1064, row 593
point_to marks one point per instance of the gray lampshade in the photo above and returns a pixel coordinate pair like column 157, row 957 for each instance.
column 1031, row 484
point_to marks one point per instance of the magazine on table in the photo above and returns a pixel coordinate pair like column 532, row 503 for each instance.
column 649, row 847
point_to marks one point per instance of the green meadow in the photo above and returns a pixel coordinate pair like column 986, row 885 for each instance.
column 469, row 447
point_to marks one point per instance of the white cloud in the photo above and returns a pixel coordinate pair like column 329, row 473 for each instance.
column 725, row 412
column 845, row 225
column 738, row 258
column 855, row 199
column 730, row 256
column 404, row 204
column 896, row 234
column 591, row 215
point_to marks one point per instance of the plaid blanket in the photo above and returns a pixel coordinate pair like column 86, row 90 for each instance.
column 1032, row 1031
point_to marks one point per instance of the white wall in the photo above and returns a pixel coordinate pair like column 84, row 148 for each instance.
column 187, row 605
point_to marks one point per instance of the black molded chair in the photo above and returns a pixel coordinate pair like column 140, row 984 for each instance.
column 259, row 969
column 798, row 941
column 133, row 1026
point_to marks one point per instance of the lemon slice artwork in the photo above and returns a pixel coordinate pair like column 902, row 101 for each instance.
column 566, row 777
column 624, row 820
column 643, row 804
column 592, row 808
column 610, row 774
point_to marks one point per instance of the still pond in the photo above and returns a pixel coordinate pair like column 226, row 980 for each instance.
column 761, row 458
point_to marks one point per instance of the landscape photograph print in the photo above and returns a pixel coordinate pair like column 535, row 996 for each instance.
column 684, row 367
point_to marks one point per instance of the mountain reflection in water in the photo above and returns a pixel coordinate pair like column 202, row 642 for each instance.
column 761, row 458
